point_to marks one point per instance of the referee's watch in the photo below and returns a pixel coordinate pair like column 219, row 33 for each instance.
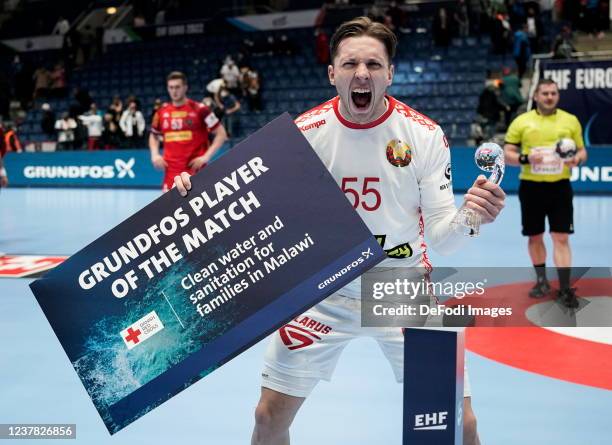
column 523, row 159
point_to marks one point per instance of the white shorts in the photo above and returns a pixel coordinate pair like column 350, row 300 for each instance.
column 307, row 349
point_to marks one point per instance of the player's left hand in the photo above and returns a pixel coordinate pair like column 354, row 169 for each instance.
column 199, row 162
column 486, row 198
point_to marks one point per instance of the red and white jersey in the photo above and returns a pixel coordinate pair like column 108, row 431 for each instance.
column 395, row 171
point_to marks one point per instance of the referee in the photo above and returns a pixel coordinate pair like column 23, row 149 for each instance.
column 545, row 189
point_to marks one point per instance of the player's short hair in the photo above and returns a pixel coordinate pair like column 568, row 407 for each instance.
column 363, row 26
column 545, row 82
column 174, row 75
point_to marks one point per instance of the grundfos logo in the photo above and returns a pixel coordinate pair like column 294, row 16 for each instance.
column 359, row 260
column 316, row 124
column 120, row 169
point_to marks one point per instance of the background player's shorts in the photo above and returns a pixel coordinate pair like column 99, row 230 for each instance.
column 307, row 349
column 546, row 199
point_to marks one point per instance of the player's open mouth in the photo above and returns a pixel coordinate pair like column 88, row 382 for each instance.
column 361, row 98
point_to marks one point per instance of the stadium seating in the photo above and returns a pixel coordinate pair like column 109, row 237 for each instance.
column 442, row 83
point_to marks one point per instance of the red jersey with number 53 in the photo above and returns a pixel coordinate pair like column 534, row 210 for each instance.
column 185, row 131
column 395, row 171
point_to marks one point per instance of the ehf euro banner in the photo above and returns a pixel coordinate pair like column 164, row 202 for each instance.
column 187, row 283
column 586, row 91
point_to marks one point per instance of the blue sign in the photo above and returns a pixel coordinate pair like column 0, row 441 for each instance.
column 585, row 90
column 593, row 177
column 187, row 283
column 119, row 168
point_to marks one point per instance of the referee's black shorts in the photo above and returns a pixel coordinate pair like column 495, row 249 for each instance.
column 546, row 199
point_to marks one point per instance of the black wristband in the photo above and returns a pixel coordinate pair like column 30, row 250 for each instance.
column 523, row 159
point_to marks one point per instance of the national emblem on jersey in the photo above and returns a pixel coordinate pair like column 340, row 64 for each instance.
column 398, row 153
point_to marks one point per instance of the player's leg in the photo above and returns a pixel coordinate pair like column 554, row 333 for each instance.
column 391, row 342
column 273, row 417
column 300, row 354
column 561, row 219
column 533, row 219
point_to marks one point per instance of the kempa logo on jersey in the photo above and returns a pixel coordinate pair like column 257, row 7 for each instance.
column 119, row 170
column 430, row 421
column 359, row 260
column 316, row 124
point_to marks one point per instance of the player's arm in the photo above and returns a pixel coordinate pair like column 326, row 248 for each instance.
column 215, row 127
column 156, row 159
column 581, row 151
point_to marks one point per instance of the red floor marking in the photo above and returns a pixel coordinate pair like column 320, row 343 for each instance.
column 545, row 352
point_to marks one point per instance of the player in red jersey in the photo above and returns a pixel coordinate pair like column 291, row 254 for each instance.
column 184, row 125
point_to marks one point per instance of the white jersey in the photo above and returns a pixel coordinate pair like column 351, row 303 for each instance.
column 395, row 171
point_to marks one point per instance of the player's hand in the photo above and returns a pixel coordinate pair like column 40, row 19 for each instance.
column 486, row 198
column 182, row 183
column 535, row 158
column 199, row 162
column 158, row 162
column 576, row 160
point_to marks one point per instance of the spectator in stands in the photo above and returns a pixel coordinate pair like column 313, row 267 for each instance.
column 230, row 106
column 139, row 20
column 93, row 122
column 478, row 16
column 251, row 85
column 88, row 42
column 441, row 28
column 399, row 18
column 116, row 109
column 231, row 75
column 47, row 121
column 521, row 50
column 534, row 29
column 563, row 46
column 500, row 33
column 83, row 100
column 511, row 94
column 11, row 140
column 42, row 82
column 133, row 125
column 65, row 132
column 61, row 27
column 489, row 107
column 58, row 81
column 111, row 133
column 214, row 88
column 321, row 46
column 462, row 20
column 516, row 13
column 592, row 21
column 156, row 106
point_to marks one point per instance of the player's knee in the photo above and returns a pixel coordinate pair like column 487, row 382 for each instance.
column 470, row 431
column 270, row 416
column 560, row 238
column 536, row 239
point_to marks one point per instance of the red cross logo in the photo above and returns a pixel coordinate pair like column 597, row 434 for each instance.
column 133, row 335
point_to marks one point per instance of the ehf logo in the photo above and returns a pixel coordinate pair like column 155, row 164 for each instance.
column 398, row 153
column 430, row 421
column 143, row 329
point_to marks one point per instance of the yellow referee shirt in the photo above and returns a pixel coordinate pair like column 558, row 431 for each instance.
column 533, row 131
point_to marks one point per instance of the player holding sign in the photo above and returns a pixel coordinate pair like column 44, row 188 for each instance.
column 184, row 125
column 546, row 142
column 393, row 164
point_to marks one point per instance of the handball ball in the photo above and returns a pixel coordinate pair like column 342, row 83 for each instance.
column 566, row 148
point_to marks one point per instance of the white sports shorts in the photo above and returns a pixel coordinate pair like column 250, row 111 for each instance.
column 307, row 349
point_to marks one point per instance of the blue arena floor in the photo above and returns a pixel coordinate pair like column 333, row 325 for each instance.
column 361, row 406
